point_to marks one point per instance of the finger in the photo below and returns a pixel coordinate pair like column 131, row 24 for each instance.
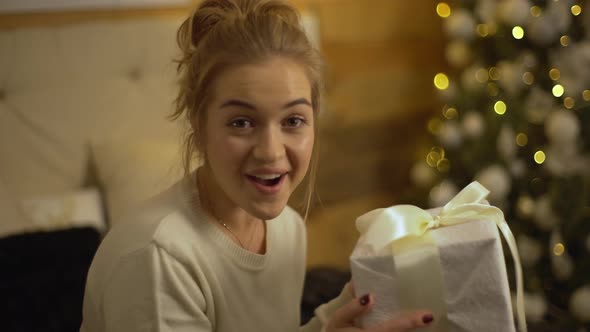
column 408, row 321
column 345, row 316
column 350, row 288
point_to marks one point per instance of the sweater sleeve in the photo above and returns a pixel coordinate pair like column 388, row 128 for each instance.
column 149, row 290
column 324, row 312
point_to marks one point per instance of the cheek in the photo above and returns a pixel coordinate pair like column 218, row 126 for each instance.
column 228, row 150
column 219, row 146
column 303, row 149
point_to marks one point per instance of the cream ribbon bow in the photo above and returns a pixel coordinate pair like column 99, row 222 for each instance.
column 384, row 226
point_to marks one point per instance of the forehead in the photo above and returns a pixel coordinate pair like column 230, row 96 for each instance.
column 274, row 81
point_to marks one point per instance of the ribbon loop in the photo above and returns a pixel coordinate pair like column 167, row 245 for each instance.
column 435, row 223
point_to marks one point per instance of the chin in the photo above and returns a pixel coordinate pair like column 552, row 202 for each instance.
column 268, row 211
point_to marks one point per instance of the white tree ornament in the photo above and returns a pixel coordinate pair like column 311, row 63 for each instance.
column 473, row 124
column 460, row 25
column 442, row 193
column 580, row 303
column 514, row 12
column 497, row 180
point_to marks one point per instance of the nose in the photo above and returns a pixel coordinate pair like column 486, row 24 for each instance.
column 269, row 146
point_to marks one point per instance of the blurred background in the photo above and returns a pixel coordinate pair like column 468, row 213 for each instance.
column 421, row 98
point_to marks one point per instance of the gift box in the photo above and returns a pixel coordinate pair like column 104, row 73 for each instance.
column 447, row 260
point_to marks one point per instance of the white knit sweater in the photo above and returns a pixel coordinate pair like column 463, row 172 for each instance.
column 169, row 269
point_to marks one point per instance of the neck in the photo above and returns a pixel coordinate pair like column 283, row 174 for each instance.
column 219, row 206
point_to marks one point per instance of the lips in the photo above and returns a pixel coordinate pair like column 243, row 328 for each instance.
column 267, row 183
column 267, row 179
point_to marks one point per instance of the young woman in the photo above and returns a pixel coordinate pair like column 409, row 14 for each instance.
column 220, row 250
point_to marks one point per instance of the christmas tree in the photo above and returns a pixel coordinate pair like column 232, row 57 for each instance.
column 516, row 117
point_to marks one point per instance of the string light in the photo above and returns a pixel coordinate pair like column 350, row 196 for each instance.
column 569, row 103
column 434, row 125
column 500, row 107
column 517, row 32
column 564, row 40
column 586, row 95
column 441, row 81
column 482, row 30
column 443, row 9
column 554, row 74
column 528, row 78
column 493, row 89
column 522, row 139
column 450, row 113
column 558, row 90
column 434, row 156
column 481, row 75
column 576, row 10
column 494, row 73
column 536, row 11
column 558, row 249
column 539, row 157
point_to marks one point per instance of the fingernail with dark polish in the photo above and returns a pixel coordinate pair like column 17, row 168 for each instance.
column 364, row 300
column 427, row 319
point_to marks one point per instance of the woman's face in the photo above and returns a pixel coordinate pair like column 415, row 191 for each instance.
column 259, row 135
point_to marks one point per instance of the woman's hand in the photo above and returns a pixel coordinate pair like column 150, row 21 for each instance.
column 343, row 318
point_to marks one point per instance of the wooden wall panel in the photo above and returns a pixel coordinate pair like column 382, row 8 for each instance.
column 347, row 21
column 381, row 56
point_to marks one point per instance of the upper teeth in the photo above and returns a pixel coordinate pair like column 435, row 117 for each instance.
column 268, row 176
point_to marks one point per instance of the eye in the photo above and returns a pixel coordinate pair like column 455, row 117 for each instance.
column 294, row 122
column 240, row 123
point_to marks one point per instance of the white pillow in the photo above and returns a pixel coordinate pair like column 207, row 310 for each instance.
column 133, row 170
column 49, row 212
column 12, row 218
column 80, row 208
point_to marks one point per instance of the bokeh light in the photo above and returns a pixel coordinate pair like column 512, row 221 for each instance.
column 434, row 156
column 539, row 157
column 525, row 206
column 443, row 9
column 450, row 113
column 500, row 107
column 517, row 32
column 564, row 40
column 558, row 90
column 554, row 74
column 576, row 10
column 481, row 75
column 522, row 139
column 493, row 89
column 441, row 81
column 528, row 78
column 494, row 73
column 483, row 30
column 434, row 125
column 558, row 249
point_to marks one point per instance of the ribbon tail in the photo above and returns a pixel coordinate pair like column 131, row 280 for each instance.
column 509, row 237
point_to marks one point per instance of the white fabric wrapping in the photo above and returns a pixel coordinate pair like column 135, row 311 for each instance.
column 474, row 276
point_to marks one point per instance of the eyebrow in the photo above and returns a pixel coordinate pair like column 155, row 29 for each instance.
column 240, row 103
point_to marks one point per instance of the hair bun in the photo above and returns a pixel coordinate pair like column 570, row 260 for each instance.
column 208, row 15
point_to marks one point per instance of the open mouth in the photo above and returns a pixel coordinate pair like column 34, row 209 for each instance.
column 269, row 180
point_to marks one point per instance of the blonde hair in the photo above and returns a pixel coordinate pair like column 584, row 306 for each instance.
column 221, row 34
